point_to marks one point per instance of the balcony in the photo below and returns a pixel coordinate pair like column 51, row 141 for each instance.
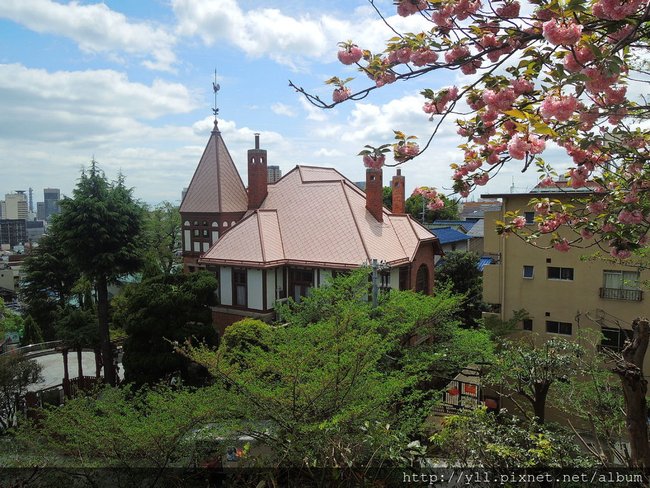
column 621, row 294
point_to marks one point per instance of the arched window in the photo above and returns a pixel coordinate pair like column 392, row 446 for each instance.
column 422, row 279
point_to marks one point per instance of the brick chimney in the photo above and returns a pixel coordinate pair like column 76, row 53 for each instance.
column 375, row 193
column 257, row 175
column 399, row 195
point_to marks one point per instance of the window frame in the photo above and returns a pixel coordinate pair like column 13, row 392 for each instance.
column 532, row 272
column 561, row 273
column 559, row 325
column 239, row 279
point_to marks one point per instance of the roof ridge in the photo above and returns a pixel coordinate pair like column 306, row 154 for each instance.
column 399, row 239
column 277, row 219
column 216, row 135
column 259, row 229
column 356, row 224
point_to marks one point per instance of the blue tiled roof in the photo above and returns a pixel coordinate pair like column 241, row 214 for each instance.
column 483, row 262
column 446, row 235
column 467, row 224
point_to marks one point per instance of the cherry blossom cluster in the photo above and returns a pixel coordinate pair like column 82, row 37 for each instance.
column 431, row 196
column 568, row 85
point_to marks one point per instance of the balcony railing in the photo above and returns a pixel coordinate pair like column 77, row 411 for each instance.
column 621, row 294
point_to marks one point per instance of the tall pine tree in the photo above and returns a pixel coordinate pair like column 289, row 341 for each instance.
column 100, row 231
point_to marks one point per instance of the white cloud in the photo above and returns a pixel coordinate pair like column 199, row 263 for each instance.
column 283, row 109
column 285, row 39
column 96, row 29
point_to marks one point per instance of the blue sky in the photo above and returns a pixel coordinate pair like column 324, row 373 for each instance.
column 130, row 83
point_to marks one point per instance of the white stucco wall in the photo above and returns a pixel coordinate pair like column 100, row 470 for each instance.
column 394, row 278
column 225, row 285
column 270, row 287
column 255, row 289
column 325, row 274
column 187, row 240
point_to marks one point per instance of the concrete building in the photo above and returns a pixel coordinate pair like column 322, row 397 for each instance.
column 51, row 198
column 274, row 174
column 12, row 232
column 563, row 293
column 15, row 206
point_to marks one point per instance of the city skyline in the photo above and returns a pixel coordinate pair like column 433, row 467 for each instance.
column 129, row 84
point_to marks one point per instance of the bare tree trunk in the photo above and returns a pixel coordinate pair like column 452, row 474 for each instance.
column 629, row 368
column 104, row 333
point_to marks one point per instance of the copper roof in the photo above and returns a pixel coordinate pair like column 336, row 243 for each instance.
column 317, row 217
column 216, row 185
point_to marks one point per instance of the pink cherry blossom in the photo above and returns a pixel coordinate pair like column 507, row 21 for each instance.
column 559, row 107
column 542, row 208
column 578, row 58
column 423, row 56
column 499, row 101
column 619, row 253
column 630, row 217
column 482, row 179
column 436, row 204
column 562, row 245
column 586, row 233
column 519, row 222
column 351, row 55
column 559, row 32
column 616, row 9
column 509, row 11
column 456, row 53
column 522, row 85
column 340, row 94
column 546, row 182
column 443, row 17
column 517, row 147
column 410, row 7
column 376, row 162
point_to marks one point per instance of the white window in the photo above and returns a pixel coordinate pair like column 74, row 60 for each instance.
column 621, row 285
column 529, row 272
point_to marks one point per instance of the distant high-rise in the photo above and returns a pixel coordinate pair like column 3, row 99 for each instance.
column 31, row 200
column 51, row 198
column 274, row 173
column 13, row 231
column 40, row 210
column 15, row 206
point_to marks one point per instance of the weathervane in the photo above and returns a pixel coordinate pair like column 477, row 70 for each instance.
column 215, row 88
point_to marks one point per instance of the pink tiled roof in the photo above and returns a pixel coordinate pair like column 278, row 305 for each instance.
column 216, row 185
column 315, row 216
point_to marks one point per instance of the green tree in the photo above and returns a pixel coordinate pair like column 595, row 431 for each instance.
column 326, row 380
column 162, row 236
column 459, row 270
column 159, row 312
column 48, row 281
column 530, row 370
column 100, row 233
column 32, row 332
column 10, row 321
column 16, row 374
column 150, row 428
column 503, row 442
column 415, row 203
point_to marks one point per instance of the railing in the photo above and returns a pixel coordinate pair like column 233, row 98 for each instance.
column 621, row 294
column 42, row 346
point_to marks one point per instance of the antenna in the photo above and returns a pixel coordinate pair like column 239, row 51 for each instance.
column 215, row 88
